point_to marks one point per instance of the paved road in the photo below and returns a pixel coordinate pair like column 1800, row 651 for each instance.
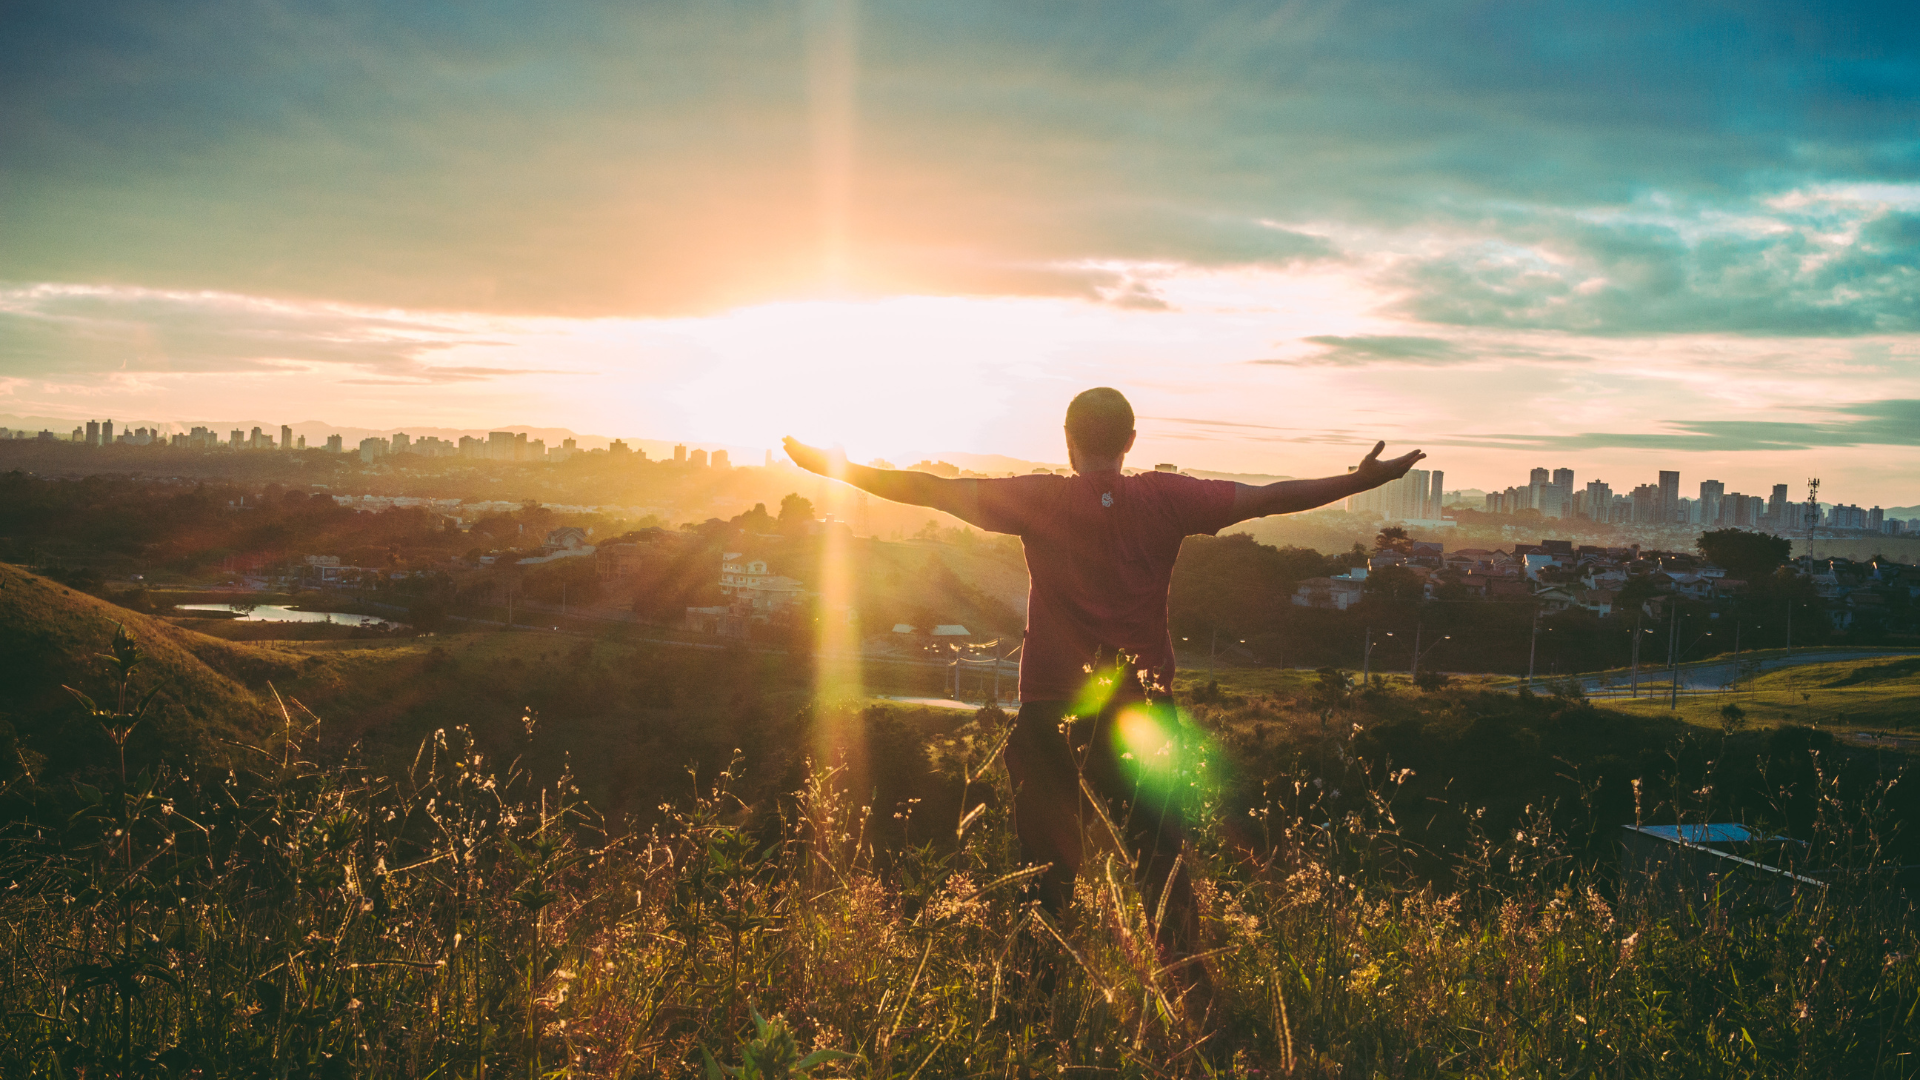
column 1714, row 675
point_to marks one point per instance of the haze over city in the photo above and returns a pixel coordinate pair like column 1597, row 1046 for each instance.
column 1688, row 242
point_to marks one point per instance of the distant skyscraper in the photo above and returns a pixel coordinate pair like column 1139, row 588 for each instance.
column 698, row 459
column 333, row 445
column 401, row 443
column 237, row 438
column 719, row 460
column 93, row 433
column 500, row 445
column 286, row 437
column 1777, row 506
column 106, row 433
column 79, row 434
column 1563, row 479
column 1436, row 497
column 679, row 455
column 1599, row 500
column 1712, row 494
column 1669, row 496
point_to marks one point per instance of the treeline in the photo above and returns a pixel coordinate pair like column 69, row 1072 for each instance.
column 1233, row 596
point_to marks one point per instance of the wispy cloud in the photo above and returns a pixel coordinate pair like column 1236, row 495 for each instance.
column 63, row 332
column 1878, row 423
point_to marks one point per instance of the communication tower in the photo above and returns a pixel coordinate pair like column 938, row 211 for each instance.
column 1813, row 504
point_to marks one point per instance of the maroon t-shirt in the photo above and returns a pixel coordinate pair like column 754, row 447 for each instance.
column 1100, row 552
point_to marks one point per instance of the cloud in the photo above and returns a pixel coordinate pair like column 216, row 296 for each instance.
column 77, row 331
column 1765, row 274
column 1365, row 349
column 647, row 158
column 1893, row 422
column 1414, row 350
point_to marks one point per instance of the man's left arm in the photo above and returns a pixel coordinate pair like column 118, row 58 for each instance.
column 1293, row 496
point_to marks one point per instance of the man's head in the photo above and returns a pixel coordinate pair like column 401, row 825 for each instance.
column 1099, row 425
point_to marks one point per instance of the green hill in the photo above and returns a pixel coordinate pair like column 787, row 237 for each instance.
column 51, row 635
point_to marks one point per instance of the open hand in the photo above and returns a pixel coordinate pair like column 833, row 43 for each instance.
column 813, row 459
column 1373, row 472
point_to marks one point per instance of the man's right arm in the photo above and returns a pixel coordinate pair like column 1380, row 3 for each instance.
column 1293, row 496
column 961, row 498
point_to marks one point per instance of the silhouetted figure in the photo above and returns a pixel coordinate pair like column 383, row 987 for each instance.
column 1096, row 667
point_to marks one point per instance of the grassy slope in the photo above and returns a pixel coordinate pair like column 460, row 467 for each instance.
column 1879, row 694
column 50, row 635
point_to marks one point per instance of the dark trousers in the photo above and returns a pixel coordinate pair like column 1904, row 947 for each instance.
column 1129, row 754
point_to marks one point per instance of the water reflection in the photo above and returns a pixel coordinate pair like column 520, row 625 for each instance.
column 277, row 613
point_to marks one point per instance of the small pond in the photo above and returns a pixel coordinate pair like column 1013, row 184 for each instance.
column 277, row 613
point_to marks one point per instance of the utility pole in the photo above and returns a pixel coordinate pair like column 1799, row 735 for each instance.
column 1636, row 656
column 996, row 671
column 1212, row 648
column 1366, row 657
column 1736, row 655
column 1413, row 672
column 1533, row 645
column 1673, row 660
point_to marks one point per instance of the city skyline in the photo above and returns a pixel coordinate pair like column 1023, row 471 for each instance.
column 1284, row 233
column 1420, row 496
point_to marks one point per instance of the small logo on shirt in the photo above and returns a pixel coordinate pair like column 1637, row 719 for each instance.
column 1106, row 498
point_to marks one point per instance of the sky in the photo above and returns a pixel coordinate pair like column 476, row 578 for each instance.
column 1616, row 237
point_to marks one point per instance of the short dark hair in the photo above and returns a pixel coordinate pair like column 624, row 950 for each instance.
column 1099, row 422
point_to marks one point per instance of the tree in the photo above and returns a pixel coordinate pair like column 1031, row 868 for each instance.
column 1392, row 538
column 796, row 511
column 1749, row 556
column 1394, row 584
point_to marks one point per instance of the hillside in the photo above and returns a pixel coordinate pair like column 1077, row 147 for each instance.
column 51, row 635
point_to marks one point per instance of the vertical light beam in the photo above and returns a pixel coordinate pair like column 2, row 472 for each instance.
column 831, row 61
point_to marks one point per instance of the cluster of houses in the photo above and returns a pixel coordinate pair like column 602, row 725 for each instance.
column 1559, row 575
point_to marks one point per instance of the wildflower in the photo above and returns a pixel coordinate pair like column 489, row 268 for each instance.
column 1626, row 946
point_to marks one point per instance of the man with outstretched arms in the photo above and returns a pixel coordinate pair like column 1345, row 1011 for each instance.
column 1096, row 666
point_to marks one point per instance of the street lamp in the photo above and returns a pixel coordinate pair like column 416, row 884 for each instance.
column 1366, row 658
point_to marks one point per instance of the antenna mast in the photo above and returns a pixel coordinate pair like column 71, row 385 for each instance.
column 1813, row 504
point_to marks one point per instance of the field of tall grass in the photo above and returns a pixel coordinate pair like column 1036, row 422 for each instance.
column 456, row 916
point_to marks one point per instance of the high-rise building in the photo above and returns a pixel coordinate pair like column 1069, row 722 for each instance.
column 1599, row 500
column 697, row 459
column 236, row 438
column 1398, row 500
column 679, row 454
column 79, row 434
column 303, row 442
column 1436, row 495
column 1563, row 479
column 719, row 460
column 373, row 446
column 1669, row 497
column 106, row 433
column 401, row 443
column 1711, row 494
column 333, row 445
column 93, row 433
column 286, row 437
column 1777, row 506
